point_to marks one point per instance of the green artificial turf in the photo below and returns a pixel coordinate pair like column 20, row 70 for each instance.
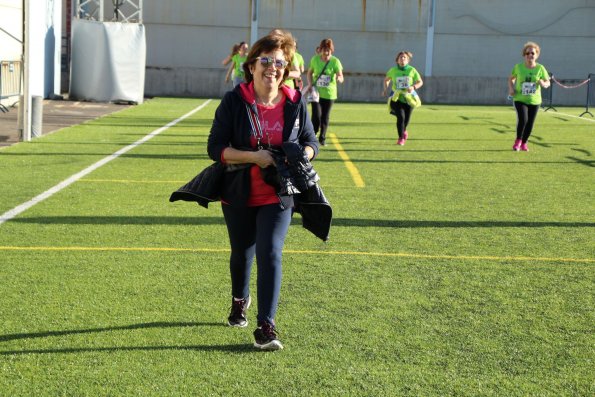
column 459, row 268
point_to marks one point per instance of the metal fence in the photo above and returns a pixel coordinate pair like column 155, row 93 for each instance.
column 590, row 95
column 10, row 83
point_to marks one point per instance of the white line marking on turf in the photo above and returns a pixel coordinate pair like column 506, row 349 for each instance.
column 576, row 117
column 8, row 215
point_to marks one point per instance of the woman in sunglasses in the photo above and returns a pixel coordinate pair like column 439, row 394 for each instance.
column 524, row 85
column 324, row 72
column 257, row 116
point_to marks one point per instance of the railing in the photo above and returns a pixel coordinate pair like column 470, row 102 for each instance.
column 568, row 84
column 10, row 83
column 590, row 95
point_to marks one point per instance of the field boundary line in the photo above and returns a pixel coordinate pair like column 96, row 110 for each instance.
column 308, row 252
column 576, row 117
column 355, row 175
column 67, row 182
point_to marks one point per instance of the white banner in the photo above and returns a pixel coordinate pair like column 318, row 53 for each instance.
column 108, row 61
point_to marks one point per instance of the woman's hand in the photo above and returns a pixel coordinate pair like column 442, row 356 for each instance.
column 544, row 83
column 263, row 158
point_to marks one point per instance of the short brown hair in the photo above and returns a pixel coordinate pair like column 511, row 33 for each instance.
column 408, row 53
column 327, row 43
column 271, row 42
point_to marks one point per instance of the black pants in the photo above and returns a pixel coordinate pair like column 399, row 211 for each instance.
column 403, row 112
column 526, row 115
column 257, row 231
column 321, row 112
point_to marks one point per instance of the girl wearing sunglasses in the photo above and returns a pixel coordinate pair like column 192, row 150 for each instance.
column 524, row 85
column 255, row 117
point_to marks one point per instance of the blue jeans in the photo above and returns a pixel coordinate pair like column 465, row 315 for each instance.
column 257, row 231
column 237, row 80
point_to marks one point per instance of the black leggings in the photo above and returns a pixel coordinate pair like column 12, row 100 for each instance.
column 526, row 115
column 403, row 112
column 261, row 231
column 321, row 112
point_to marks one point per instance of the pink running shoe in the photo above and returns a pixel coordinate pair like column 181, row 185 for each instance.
column 405, row 135
column 401, row 141
column 524, row 147
column 517, row 145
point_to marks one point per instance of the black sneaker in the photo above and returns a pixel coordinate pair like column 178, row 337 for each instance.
column 237, row 317
column 265, row 337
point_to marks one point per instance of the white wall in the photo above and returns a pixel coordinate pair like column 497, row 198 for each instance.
column 46, row 30
column 476, row 42
column 11, row 20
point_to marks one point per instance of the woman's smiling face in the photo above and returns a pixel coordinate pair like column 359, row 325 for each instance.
column 268, row 76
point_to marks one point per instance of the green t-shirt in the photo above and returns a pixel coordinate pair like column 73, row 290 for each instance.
column 526, row 88
column 327, row 83
column 238, row 63
column 297, row 58
column 403, row 78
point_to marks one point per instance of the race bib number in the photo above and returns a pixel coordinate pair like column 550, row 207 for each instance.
column 528, row 88
column 402, row 83
column 324, row 80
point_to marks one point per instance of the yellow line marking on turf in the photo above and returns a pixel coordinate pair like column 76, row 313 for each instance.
column 355, row 175
column 309, row 252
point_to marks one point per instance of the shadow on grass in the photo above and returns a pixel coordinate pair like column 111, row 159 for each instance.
column 349, row 222
column 197, row 156
column 588, row 163
column 340, row 222
column 401, row 160
column 121, row 220
column 237, row 348
column 157, row 324
column 116, row 144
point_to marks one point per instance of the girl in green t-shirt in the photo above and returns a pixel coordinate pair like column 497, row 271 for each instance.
column 405, row 81
column 524, row 85
column 324, row 72
column 227, row 61
column 236, row 59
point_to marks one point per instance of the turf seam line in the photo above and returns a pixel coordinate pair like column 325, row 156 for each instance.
column 355, row 175
column 8, row 215
column 307, row 252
